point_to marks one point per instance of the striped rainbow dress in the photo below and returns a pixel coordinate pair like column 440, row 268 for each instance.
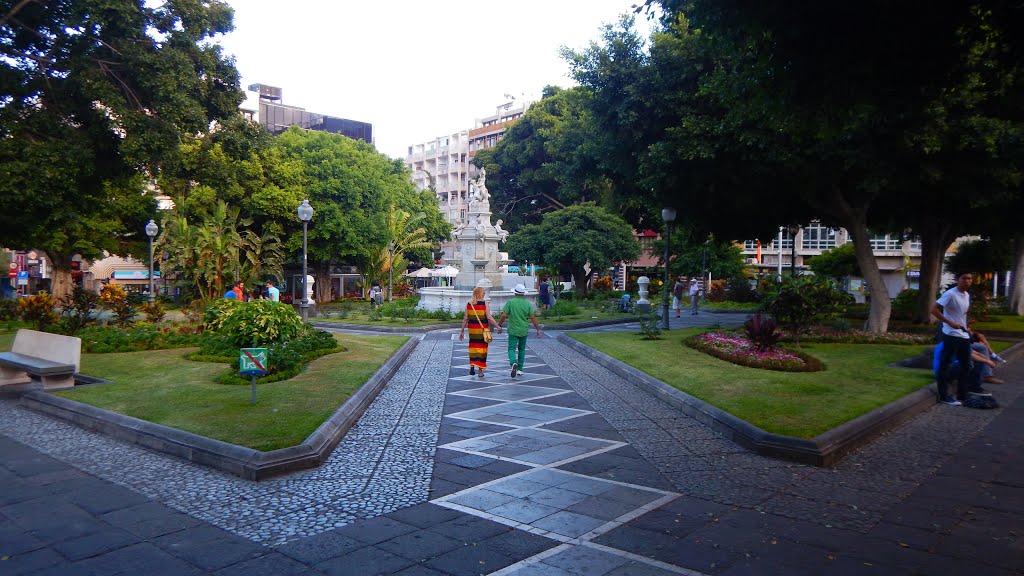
column 477, row 346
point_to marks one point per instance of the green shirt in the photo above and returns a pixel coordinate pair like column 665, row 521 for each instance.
column 519, row 312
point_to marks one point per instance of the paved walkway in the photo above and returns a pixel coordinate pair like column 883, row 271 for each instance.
column 564, row 470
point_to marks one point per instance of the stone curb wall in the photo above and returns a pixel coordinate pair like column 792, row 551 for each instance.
column 824, row 450
column 238, row 460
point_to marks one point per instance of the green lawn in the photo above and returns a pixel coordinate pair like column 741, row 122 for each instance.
column 162, row 387
column 1002, row 323
column 856, row 380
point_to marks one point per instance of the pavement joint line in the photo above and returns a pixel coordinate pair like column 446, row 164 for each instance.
column 643, row 559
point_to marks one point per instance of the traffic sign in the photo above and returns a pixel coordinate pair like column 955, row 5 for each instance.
column 23, row 278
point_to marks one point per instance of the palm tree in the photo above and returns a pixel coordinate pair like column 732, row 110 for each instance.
column 404, row 236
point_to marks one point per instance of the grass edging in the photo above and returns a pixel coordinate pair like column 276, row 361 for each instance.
column 825, row 449
column 238, row 460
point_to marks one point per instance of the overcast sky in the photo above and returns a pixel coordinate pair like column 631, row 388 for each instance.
column 414, row 69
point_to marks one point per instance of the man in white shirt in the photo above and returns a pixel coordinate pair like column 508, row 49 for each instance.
column 951, row 309
column 694, row 295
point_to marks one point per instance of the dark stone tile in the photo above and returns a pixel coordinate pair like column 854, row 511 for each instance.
column 369, row 561
column 53, row 520
column 519, row 545
column 418, row 570
column 96, row 543
column 470, row 560
column 323, row 546
column 17, row 490
column 149, row 520
column 106, row 497
column 209, row 547
column 272, row 564
column 425, row 515
column 470, row 529
column 32, row 561
column 420, row 545
column 375, row 530
column 143, row 558
column 15, row 541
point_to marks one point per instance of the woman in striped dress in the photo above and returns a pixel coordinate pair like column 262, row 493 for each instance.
column 477, row 317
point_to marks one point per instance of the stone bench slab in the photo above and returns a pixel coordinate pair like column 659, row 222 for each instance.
column 33, row 365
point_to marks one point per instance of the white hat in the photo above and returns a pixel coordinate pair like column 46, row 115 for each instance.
column 520, row 289
column 693, row 280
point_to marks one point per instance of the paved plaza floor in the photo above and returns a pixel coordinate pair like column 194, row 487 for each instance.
column 564, row 470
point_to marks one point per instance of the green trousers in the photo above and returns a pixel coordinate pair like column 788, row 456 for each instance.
column 516, row 350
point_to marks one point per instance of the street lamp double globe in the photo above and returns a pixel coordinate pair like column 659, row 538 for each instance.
column 305, row 214
column 151, row 231
column 668, row 215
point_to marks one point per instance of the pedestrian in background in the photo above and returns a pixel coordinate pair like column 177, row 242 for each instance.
column 677, row 295
column 518, row 310
column 694, row 296
column 273, row 293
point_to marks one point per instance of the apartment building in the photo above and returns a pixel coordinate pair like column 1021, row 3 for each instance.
column 444, row 162
column 263, row 104
column 899, row 259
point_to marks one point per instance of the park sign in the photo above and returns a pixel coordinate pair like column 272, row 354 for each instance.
column 253, row 362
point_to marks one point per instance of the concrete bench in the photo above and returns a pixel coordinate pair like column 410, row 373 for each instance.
column 51, row 359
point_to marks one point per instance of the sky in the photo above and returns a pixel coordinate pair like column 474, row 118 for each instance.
column 414, row 69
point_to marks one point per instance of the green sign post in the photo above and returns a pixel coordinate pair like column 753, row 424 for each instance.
column 253, row 362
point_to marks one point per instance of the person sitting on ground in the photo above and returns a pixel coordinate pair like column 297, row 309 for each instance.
column 984, row 358
column 624, row 302
column 976, row 369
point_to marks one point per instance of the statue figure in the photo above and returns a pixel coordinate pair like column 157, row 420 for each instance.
column 478, row 192
column 457, row 228
column 502, row 234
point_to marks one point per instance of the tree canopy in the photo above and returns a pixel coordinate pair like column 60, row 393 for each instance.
column 96, row 94
column 573, row 238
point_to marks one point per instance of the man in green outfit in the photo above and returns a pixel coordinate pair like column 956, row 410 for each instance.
column 518, row 310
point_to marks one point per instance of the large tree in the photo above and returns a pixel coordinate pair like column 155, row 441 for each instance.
column 765, row 116
column 352, row 189
column 96, row 93
column 573, row 238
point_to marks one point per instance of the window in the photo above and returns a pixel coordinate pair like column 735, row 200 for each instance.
column 886, row 242
column 750, row 245
column 787, row 240
column 818, row 237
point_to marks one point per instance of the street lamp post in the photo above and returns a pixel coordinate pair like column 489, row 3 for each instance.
column 669, row 216
column 391, row 270
column 305, row 214
column 151, row 230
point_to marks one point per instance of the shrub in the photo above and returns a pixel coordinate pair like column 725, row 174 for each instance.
column 115, row 299
column 257, row 323
column 602, row 284
column 284, row 358
column 39, row 310
column 717, row 292
column 650, row 326
column 195, row 312
column 155, row 312
column 762, row 331
column 8, row 310
column 142, row 336
column 799, row 302
column 77, row 310
column 217, row 311
column 739, row 290
column 561, row 308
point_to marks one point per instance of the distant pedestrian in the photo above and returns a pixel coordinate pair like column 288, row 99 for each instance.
column 694, row 296
column 518, row 310
column 951, row 309
column 544, row 294
column 273, row 293
column 477, row 318
column 236, row 292
column 677, row 295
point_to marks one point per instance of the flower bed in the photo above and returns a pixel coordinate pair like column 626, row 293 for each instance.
column 739, row 350
column 831, row 335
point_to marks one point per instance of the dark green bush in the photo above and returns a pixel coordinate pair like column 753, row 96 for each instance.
column 285, row 359
column 739, row 290
column 105, row 339
column 258, row 323
column 799, row 302
column 8, row 309
column 77, row 310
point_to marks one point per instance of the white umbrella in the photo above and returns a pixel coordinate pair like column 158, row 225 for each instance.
column 421, row 273
column 445, row 272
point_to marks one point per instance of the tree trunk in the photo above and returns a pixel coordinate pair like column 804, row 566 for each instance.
column 935, row 238
column 579, row 279
column 1016, row 300
column 322, row 285
column 60, row 275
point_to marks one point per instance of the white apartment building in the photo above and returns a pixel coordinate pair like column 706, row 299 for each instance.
column 899, row 259
column 444, row 162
